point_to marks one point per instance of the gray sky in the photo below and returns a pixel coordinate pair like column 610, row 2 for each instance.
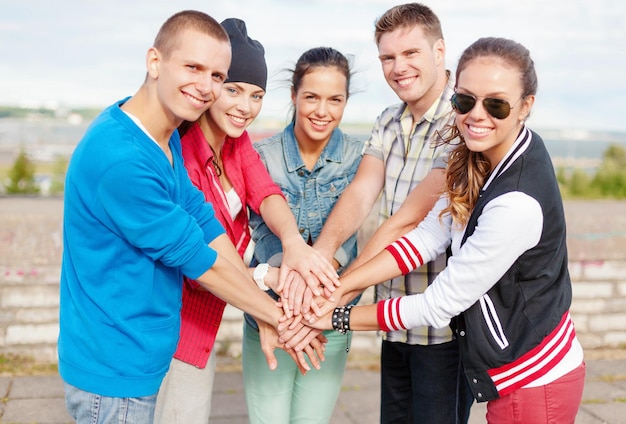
column 91, row 52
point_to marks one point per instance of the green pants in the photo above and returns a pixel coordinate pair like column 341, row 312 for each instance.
column 284, row 396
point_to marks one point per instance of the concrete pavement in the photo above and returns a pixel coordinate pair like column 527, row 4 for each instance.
column 39, row 399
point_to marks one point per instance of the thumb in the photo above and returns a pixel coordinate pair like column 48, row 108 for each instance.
column 270, row 358
column 272, row 362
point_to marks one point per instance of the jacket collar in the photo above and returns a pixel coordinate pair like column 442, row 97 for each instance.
column 197, row 144
column 333, row 152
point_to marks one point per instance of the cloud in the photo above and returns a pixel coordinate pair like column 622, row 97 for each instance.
column 92, row 53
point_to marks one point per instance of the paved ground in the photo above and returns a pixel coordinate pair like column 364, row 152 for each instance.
column 28, row 400
column 596, row 230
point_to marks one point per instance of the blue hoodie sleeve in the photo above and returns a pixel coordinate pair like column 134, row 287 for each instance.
column 152, row 216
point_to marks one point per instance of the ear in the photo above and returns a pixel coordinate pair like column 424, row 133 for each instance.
column 439, row 48
column 527, row 105
column 153, row 60
column 293, row 96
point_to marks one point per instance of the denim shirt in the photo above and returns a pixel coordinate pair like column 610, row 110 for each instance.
column 311, row 194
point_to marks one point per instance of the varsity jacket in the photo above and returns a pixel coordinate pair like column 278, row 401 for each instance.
column 519, row 329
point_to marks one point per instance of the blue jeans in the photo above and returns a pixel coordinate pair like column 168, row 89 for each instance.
column 423, row 384
column 90, row 408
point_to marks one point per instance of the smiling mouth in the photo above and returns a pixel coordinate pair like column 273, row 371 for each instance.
column 479, row 130
column 237, row 119
column 196, row 100
column 405, row 82
column 319, row 123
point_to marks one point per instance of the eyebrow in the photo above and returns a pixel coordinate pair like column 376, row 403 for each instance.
column 239, row 85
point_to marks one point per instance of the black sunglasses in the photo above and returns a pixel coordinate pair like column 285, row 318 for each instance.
column 463, row 103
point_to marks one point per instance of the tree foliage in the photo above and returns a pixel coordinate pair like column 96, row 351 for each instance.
column 22, row 176
column 609, row 181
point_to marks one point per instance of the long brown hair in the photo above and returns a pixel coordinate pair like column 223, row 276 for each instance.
column 467, row 171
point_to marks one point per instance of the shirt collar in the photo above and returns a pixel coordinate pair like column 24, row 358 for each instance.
column 333, row 152
column 440, row 107
column 198, row 143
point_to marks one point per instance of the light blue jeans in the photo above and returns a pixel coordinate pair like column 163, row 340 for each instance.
column 90, row 408
column 284, row 396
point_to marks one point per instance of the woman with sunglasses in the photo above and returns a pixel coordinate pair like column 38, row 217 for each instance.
column 506, row 290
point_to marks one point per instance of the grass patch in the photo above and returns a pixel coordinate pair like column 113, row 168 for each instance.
column 593, row 401
column 612, row 378
column 15, row 365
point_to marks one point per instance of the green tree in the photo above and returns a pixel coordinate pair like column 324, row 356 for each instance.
column 22, row 176
column 580, row 184
column 610, row 180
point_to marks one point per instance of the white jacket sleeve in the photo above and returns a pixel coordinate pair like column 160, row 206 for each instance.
column 425, row 242
column 508, row 226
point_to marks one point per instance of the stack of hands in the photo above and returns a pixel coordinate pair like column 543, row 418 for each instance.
column 309, row 290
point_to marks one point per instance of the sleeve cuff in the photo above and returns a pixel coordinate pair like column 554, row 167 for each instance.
column 200, row 263
column 406, row 255
column 342, row 257
column 276, row 260
column 388, row 315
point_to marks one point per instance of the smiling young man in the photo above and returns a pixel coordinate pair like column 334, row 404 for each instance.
column 421, row 379
column 134, row 225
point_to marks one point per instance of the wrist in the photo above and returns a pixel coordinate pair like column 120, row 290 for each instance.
column 327, row 253
column 259, row 274
column 271, row 278
column 340, row 319
column 292, row 240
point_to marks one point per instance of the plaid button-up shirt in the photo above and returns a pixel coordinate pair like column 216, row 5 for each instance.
column 409, row 154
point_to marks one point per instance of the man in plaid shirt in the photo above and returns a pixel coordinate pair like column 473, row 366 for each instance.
column 421, row 379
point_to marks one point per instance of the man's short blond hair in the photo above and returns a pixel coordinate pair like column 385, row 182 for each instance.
column 166, row 39
column 406, row 16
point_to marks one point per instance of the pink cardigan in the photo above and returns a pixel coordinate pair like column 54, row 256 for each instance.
column 201, row 313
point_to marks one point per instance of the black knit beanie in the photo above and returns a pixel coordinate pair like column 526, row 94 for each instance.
column 248, row 62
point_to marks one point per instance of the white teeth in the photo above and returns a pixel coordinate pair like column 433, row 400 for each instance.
column 406, row 81
column 195, row 99
column 321, row 123
column 237, row 119
column 479, row 130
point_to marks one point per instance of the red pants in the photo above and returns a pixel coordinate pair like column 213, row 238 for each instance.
column 554, row 403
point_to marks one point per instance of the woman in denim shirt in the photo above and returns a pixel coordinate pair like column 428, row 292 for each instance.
column 312, row 161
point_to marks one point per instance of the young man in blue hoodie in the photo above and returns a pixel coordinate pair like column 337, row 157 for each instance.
column 134, row 225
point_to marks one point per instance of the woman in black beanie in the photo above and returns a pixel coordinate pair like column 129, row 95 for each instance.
column 222, row 163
